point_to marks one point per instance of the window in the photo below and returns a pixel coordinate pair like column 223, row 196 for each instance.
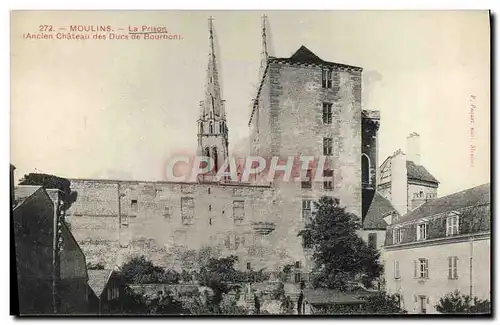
column 211, row 128
column 239, row 241
column 423, row 304
column 133, row 205
column 422, row 268
column 209, row 207
column 327, row 113
column 109, row 294
column 328, row 184
column 452, row 226
column 249, row 266
column 210, row 221
column 365, row 169
column 327, row 146
column 298, row 277
column 238, row 211
column 209, row 190
column 397, row 275
column 166, row 213
column 297, row 264
column 326, row 78
column 422, row 231
column 307, row 210
column 397, row 235
column 207, row 155
column 307, row 183
column 215, row 157
column 372, row 240
column 453, row 267
column 187, row 210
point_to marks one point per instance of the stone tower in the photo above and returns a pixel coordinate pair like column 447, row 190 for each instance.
column 212, row 126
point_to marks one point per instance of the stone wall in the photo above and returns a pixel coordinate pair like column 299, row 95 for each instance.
column 152, row 221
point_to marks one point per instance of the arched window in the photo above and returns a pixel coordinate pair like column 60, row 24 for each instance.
column 365, row 169
column 207, row 154
column 215, row 156
column 211, row 128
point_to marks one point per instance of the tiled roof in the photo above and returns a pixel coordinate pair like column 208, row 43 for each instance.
column 23, row 192
column 306, row 56
column 475, row 196
column 418, row 172
column 379, row 208
column 98, row 280
column 332, row 296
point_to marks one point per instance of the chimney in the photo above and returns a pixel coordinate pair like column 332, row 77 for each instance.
column 413, row 148
column 399, row 182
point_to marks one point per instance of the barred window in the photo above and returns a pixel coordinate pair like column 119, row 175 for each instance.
column 327, row 113
column 328, row 184
column 307, row 183
column 327, row 146
column 307, row 210
column 187, row 210
column 326, row 78
column 238, row 211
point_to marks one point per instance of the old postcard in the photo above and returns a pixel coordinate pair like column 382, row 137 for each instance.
column 250, row 163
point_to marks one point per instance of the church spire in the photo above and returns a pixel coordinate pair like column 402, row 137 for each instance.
column 264, row 54
column 213, row 105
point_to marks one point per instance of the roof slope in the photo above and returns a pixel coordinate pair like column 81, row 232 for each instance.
column 475, row 196
column 304, row 55
column 418, row 172
column 98, row 280
column 379, row 208
column 23, row 192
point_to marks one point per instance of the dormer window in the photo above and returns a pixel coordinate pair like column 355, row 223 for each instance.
column 422, row 231
column 452, row 225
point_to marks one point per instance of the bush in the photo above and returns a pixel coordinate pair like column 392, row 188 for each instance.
column 456, row 303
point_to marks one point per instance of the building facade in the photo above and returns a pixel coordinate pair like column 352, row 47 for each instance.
column 440, row 247
column 51, row 270
column 404, row 181
column 304, row 106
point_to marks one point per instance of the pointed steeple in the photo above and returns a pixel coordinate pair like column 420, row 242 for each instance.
column 213, row 105
column 264, row 54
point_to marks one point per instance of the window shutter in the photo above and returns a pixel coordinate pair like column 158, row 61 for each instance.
column 450, row 268
column 415, row 268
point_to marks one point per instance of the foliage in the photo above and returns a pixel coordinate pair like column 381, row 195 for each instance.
column 95, row 266
column 220, row 276
column 287, row 305
column 456, row 303
column 139, row 270
column 166, row 304
column 134, row 303
column 279, row 292
column 52, row 182
column 186, row 276
column 339, row 253
column 383, row 303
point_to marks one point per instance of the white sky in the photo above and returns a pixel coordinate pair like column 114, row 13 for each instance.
column 119, row 109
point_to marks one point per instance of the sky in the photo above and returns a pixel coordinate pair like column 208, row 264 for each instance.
column 120, row 109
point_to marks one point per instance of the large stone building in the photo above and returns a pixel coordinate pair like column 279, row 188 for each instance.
column 304, row 106
column 440, row 247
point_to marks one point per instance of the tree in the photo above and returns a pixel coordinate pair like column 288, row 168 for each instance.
column 456, row 303
column 220, row 276
column 52, row 182
column 339, row 253
column 287, row 305
column 141, row 271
